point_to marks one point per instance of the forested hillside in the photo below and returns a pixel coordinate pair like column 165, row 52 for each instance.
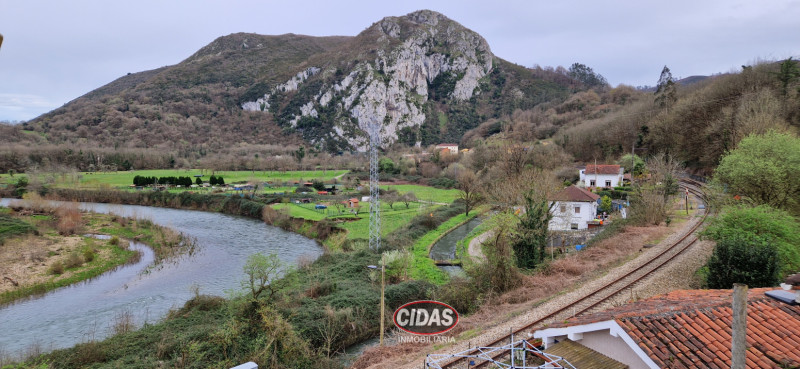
column 696, row 123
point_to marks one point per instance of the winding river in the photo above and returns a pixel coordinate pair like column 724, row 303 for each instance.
column 88, row 310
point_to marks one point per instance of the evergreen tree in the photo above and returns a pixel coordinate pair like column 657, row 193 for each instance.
column 530, row 238
column 788, row 74
column 666, row 91
column 586, row 75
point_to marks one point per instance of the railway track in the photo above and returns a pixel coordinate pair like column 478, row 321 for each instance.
column 593, row 301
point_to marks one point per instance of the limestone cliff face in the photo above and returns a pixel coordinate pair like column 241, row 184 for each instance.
column 409, row 57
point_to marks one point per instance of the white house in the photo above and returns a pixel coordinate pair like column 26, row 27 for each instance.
column 688, row 329
column 601, row 176
column 448, row 146
column 573, row 208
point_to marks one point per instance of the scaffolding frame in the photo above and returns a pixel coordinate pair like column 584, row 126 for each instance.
column 515, row 354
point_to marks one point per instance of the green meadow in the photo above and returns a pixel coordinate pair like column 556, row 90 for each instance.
column 426, row 193
column 124, row 179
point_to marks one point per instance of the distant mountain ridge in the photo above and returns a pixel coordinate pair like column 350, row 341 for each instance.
column 424, row 77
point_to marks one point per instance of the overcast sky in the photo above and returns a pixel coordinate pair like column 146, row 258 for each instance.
column 56, row 51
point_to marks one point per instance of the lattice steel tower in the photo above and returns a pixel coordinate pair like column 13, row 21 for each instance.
column 374, row 129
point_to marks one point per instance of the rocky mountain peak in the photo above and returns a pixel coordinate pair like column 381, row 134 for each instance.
column 412, row 54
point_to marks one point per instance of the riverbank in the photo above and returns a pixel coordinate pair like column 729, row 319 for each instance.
column 328, row 303
column 53, row 251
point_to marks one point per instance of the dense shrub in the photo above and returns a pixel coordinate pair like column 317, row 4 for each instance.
column 757, row 225
column 399, row 294
column 57, row 268
column 741, row 259
column 762, row 168
column 442, row 182
column 461, row 294
column 338, row 282
column 88, row 255
column 73, row 261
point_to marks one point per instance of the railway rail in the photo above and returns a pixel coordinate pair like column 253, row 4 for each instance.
column 595, row 300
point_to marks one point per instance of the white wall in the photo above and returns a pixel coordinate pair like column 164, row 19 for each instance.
column 613, row 347
column 562, row 220
column 616, row 179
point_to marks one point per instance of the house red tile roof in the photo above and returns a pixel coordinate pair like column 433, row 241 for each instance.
column 602, row 169
column 692, row 329
column 574, row 194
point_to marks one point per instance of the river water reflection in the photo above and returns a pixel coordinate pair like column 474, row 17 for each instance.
column 88, row 310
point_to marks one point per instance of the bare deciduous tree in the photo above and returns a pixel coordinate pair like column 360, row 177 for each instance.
column 407, row 198
column 469, row 190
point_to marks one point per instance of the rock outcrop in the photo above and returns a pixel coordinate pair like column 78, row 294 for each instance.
column 412, row 53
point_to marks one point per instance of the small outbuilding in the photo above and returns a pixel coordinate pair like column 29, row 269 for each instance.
column 451, row 147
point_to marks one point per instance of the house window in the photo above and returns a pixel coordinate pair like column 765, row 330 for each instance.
column 563, row 208
column 573, row 226
column 577, row 210
column 608, row 183
column 591, row 183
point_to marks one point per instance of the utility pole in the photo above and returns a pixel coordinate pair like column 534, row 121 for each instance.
column 383, row 288
column 633, row 160
column 687, row 201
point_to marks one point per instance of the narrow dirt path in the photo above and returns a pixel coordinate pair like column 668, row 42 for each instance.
column 474, row 250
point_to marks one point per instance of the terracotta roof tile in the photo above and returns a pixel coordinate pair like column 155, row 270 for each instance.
column 602, row 169
column 576, row 194
column 693, row 329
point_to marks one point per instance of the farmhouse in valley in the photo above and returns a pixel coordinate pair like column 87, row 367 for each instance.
column 601, row 176
column 453, row 148
column 573, row 209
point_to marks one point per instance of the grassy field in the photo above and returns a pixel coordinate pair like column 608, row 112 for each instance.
column 122, row 179
column 426, row 193
column 391, row 219
column 297, row 211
